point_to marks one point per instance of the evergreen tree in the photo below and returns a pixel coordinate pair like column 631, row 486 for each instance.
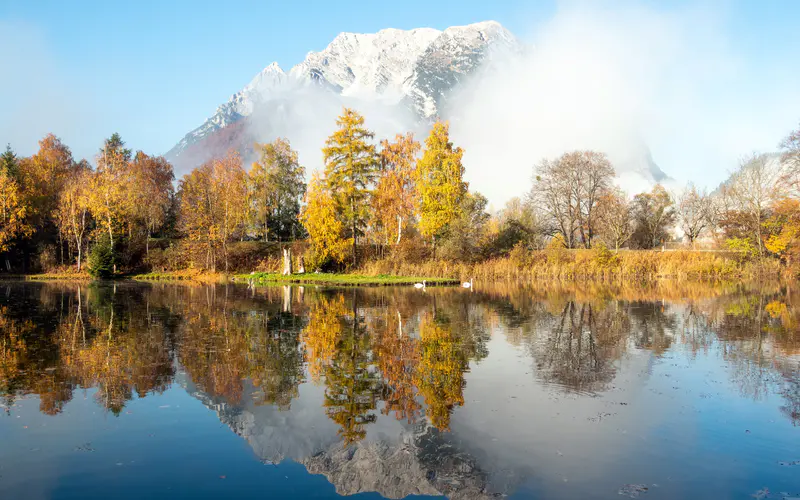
column 9, row 163
column 350, row 168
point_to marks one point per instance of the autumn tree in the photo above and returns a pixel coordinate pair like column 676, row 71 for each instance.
column 654, row 215
column 393, row 198
column 784, row 226
column 615, row 218
column 149, row 193
column 465, row 238
column 517, row 224
column 325, row 229
column 72, row 215
column 694, row 212
column 277, row 184
column 440, row 183
column 568, row 189
column 350, row 169
column 107, row 195
column 213, row 204
column 42, row 177
column 14, row 212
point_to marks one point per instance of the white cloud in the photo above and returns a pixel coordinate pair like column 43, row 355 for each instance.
column 616, row 78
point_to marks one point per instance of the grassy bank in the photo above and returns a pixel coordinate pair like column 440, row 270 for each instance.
column 539, row 267
column 345, row 279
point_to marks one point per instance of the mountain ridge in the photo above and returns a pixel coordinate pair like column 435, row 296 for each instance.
column 401, row 80
column 401, row 67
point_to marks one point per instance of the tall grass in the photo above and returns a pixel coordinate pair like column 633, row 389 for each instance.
column 595, row 265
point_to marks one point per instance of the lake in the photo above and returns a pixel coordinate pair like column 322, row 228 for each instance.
column 131, row 390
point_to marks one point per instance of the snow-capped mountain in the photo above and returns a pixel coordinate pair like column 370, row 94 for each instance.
column 477, row 76
column 413, row 68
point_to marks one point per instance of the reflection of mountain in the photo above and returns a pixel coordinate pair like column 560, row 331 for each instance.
column 395, row 459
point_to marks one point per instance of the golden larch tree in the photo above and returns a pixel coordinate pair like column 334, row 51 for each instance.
column 440, row 182
column 325, row 229
column 350, row 168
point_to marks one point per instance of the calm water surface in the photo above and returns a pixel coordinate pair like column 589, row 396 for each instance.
column 172, row 391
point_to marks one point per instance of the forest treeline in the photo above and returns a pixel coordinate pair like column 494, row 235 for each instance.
column 388, row 206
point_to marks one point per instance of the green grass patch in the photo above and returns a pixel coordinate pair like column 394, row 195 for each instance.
column 343, row 279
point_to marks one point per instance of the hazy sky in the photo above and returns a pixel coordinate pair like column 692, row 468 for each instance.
column 723, row 81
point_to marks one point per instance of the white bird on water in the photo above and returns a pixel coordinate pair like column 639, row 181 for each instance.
column 467, row 284
column 420, row 285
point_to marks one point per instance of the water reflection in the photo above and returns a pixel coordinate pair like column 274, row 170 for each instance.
column 349, row 380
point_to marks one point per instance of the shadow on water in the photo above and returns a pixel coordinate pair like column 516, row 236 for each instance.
column 401, row 392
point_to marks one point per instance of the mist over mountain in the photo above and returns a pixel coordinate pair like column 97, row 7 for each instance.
column 403, row 80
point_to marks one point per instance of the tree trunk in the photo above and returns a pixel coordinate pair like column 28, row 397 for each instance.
column 399, row 229
column 287, row 261
column 355, row 259
column 301, row 267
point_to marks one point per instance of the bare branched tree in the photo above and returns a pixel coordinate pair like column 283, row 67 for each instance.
column 751, row 190
column 615, row 218
column 568, row 189
column 695, row 212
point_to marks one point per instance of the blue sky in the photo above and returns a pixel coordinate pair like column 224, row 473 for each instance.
column 154, row 70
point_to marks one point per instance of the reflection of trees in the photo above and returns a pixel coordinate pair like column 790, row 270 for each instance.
column 224, row 342
column 352, row 386
column 580, row 349
column 391, row 349
column 654, row 325
column 114, row 348
column 440, row 375
column 398, row 358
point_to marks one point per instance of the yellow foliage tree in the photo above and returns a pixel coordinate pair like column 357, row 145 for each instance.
column 72, row 215
column 107, row 196
column 149, row 193
column 43, row 176
column 440, row 184
column 14, row 212
column 214, row 204
column 324, row 228
column 393, row 198
column 784, row 224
